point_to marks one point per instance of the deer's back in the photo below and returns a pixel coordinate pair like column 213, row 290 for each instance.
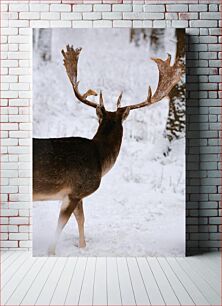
column 70, row 163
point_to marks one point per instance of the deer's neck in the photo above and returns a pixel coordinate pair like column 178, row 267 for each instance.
column 108, row 140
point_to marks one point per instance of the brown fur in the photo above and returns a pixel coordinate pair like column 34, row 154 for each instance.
column 71, row 168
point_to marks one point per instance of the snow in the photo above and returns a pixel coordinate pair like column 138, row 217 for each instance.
column 139, row 208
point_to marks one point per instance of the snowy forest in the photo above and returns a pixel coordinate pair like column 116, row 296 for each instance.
column 139, row 208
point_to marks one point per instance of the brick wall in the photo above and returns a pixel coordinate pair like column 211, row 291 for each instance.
column 204, row 55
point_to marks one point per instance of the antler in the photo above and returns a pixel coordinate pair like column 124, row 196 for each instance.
column 169, row 76
column 71, row 57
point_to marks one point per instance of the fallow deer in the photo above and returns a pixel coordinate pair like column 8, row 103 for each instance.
column 70, row 169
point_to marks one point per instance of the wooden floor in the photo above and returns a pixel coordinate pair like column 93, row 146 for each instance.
column 26, row 280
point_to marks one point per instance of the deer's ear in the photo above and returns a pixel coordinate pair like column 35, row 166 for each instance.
column 125, row 113
column 100, row 111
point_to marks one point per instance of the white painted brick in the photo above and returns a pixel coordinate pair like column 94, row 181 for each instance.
column 154, row 8
column 4, row 7
column 137, row 23
column 177, row 8
column 13, row 47
column 4, row 198
column 4, row 23
column 4, row 181
column 4, row 86
column 92, row 15
column 3, row 220
column 39, row 23
column 25, row 244
column 9, row 173
column 82, row 8
column 122, row 23
column 180, row 23
column 122, row 7
column 19, row 118
column 18, row 236
column 9, row 15
column 25, row 126
column 9, row 31
column 13, row 158
column 71, row 16
column 60, row 7
column 9, row 212
column 19, row 7
column 9, row 94
column 19, row 71
column 9, row 78
column 211, row 15
column 39, row 7
column 19, row 102
column 137, row 8
column 9, row 63
column 102, row 24
column 8, row 228
column 4, row 102
column 4, row 236
column 9, row 244
column 20, row 205
column 24, row 229
column 102, row 7
column 19, row 55
column 60, row 23
column 9, row 126
column 18, row 39
column 50, row 16
column 112, row 15
column 19, row 23
column 4, row 39
column 135, row 15
column 4, row 134
column 197, row 7
column 9, row 142
column 29, row 15
column 187, row 16
column 24, row 212
column 203, row 23
column 82, row 24
column 25, row 31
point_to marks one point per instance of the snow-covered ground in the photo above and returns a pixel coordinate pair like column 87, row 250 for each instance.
column 139, row 208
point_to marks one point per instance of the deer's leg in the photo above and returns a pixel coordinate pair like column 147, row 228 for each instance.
column 79, row 215
column 66, row 210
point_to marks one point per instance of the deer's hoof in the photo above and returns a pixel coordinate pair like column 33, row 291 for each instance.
column 51, row 251
column 82, row 244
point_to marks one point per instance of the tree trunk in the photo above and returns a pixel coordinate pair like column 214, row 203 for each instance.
column 175, row 126
column 44, row 44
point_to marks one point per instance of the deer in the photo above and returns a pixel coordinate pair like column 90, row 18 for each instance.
column 71, row 168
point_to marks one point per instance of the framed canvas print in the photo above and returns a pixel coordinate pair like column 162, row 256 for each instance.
column 108, row 142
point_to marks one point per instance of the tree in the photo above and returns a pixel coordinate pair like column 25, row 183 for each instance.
column 42, row 40
column 175, row 126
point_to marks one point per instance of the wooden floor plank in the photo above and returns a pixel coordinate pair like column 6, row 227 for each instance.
column 12, row 270
column 211, row 261
column 126, row 289
column 100, row 284
column 139, row 289
column 10, row 261
column 191, row 288
column 176, row 284
column 86, row 294
column 62, row 287
column 213, row 279
column 152, row 288
column 47, row 292
column 167, row 292
column 36, row 287
column 5, row 255
column 113, row 286
column 23, row 287
column 17, row 278
column 208, row 292
column 74, row 290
